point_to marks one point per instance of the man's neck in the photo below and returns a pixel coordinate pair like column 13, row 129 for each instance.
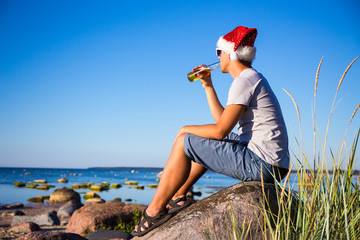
column 237, row 68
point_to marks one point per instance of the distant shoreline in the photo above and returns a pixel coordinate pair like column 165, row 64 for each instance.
column 294, row 171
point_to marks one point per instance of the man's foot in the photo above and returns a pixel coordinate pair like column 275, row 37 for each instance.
column 179, row 204
column 147, row 223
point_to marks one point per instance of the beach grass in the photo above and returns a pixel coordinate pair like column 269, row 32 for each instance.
column 128, row 226
column 326, row 203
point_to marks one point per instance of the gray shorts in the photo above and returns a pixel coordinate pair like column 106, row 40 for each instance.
column 231, row 158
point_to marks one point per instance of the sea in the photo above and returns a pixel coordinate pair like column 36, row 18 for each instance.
column 207, row 185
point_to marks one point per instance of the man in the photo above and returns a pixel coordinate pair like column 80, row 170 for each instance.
column 259, row 152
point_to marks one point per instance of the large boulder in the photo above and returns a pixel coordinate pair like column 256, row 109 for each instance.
column 96, row 216
column 64, row 195
column 216, row 216
column 68, row 209
column 45, row 219
column 25, row 227
column 51, row 236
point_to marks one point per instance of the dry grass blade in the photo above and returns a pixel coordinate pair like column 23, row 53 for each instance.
column 314, row 117
column 285, row 182
column 298, row 114
column 346, row 70
column 332, row 107
column 352, row 116
column 317, row 76
column 296, row 106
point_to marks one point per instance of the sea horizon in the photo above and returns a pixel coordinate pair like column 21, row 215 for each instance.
column 293, row 171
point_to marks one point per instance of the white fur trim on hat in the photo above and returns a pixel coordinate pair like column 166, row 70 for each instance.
column 245, row 53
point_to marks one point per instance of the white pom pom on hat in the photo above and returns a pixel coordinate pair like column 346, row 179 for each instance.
column 234, row 56
column 239, row 43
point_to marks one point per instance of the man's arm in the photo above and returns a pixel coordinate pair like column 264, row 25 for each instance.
column 222, row 128
column 214, row 104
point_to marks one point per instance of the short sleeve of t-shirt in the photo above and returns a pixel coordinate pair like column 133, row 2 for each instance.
column 242, row 90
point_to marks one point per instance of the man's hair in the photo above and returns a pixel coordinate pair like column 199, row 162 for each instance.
column 245, row 63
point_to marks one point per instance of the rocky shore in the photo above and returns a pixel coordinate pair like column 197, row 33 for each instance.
column 71, row 220
column 65, row 217
column 7, row 213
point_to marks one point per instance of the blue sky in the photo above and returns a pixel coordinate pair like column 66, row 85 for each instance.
column 103, row 83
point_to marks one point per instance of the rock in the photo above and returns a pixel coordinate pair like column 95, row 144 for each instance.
column 32, row 185
column 46, row 219
column 117, row 199
column 68, row 209
column 90, row 195
column 62, row 180
column 19, row 184
column 104, row 184
column 211, row 217
column 64, row 222
column 51, row 236
column 40, row 181
column 37, row 199
column 153, row 185
column 63, row 195
column 140, row 187
column 94, row 200
column 75, row 186
column 109, row 234
column 96, row 188
column 11, row 214
column 85, row 185
column 44, row 187
column 96, row 216
column 25, row 227
column 115, row 185
column 131, row 183
column 14, row 206
column 19, row 213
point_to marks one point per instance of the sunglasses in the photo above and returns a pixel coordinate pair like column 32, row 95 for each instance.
column 218, row 52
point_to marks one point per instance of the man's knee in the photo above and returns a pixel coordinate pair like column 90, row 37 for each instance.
column 180, row 139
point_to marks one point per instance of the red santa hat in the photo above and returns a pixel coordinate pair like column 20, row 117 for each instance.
column 239, row 43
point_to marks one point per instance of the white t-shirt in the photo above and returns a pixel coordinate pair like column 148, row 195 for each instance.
column 261, row 125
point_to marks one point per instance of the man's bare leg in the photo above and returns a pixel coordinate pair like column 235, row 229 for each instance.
column 175, row 174
column 178, row 176
column 197, row 170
